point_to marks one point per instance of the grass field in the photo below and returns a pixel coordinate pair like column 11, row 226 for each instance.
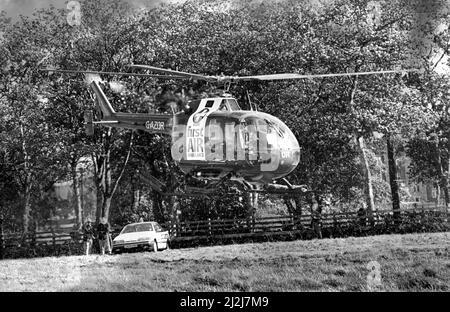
column 413, row 262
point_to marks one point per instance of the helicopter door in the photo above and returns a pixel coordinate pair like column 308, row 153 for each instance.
column 251, row 139
column 196, row 129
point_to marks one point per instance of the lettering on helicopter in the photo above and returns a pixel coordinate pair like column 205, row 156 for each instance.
column 195, row 134
column 155, row 125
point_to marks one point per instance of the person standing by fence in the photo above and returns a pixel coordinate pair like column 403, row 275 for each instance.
column 88, row 236
column 316, row 220
column 362, row 216
column 103, row 234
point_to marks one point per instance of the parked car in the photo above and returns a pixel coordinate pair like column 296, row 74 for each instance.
column 142, row 235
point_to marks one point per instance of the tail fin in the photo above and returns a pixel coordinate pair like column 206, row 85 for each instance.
column 102, row 101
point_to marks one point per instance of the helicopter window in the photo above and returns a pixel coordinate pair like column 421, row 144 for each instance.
column 209, row 104
column 262, row 126
column 233, row 105
column 273, row 126
column 223, row 106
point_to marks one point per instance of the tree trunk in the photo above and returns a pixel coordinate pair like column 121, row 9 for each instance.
column 98, row 174
column 107, row 181
column 368, row 188
column 298, row 205
column 26, row 209
column 310, row 199
column 106, row 207
column 438, row 195
column 319, row 201
column 77, row 194
column 136, row 199
column 104, row 176
column 252, row 206
column 444, row 187
column 293, row 205
column 289, row 205
column 27, row 183
column 158, row 207
column 443, row 180
column 393, row 177
column 98, row 206
column 174, row 220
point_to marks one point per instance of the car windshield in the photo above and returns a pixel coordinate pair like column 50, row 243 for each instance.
column 128, row 229
column 158, row 228
column 144, row 227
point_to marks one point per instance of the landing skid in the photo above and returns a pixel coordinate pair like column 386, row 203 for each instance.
column 211, row 188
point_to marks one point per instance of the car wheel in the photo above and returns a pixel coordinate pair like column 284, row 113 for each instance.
column 155, row 246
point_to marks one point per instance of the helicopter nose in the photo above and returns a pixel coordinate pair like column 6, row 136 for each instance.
column 289, row 151
column 282, row 149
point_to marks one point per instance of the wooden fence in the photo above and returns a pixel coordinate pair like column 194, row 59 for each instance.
column 236, row 228
column 283, row 224
column 53, row 237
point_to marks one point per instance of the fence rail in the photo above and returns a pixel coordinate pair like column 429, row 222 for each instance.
column 288, row 223
column 229, row 228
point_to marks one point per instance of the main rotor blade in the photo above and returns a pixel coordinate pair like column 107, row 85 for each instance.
column 111, row 73
column 175, row 72
column 299, row 76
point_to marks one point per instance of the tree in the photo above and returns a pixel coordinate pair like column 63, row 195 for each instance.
column 25, row 137
column 429, row 149
column 99, row 42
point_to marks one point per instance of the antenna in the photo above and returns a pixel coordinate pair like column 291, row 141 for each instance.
column 227, row 86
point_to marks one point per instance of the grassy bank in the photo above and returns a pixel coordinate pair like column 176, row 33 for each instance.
column 412, row 262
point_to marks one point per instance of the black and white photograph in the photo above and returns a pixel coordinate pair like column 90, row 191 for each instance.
column 224, row 150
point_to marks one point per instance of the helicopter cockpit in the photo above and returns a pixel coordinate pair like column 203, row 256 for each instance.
column 226, row 105
column 229, row 104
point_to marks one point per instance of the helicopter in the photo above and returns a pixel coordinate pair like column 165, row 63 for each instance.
column 213, row 138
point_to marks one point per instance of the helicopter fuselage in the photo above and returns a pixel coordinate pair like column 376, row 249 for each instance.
column 220, row 139
column 215, row 138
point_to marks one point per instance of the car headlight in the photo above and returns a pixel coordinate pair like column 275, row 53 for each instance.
column 118, row 241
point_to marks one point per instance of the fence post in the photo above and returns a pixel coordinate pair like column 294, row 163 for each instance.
column 33, row 238
column 2, row 240
column 53, row 239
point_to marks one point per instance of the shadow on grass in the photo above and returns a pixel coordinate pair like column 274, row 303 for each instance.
column 411, row 281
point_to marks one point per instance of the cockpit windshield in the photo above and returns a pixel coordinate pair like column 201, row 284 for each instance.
column 231, row 104
column 223, row 106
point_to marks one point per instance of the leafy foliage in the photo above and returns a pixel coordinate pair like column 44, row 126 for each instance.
column 41, row 116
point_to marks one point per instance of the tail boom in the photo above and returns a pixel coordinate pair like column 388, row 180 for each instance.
column 153, row 123
column 102, row 100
